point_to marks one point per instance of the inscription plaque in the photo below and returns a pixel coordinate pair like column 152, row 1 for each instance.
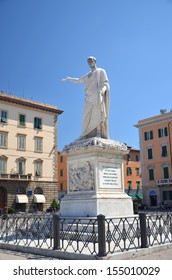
column 110, row 175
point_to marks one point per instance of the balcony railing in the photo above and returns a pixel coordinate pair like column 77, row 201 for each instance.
column 15, row 176
column 161, row 182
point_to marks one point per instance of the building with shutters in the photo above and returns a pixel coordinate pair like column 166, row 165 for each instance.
column 28, row 153
column 155, row 136
column 132, row 174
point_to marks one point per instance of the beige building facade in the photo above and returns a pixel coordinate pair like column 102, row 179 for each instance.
column 28, row 153
column 155, row 136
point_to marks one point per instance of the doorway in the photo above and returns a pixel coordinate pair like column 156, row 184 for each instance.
column 153, row 198
column 2, row 198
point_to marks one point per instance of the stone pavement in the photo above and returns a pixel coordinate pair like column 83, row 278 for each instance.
column 161, row 253
column 13, row 255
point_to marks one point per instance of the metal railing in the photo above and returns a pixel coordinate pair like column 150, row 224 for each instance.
column 92, row 236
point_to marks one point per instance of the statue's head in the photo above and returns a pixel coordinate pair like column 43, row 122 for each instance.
column 91, row 58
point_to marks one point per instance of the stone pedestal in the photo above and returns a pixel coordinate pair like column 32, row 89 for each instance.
column 95, row 179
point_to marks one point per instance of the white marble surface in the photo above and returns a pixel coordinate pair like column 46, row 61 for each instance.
column 95, row 179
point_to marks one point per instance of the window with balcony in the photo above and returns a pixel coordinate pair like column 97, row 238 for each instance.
column 166, row 172
column 3, row 139
column 162, row 132
column 148, row 135
column 3, row 116
column 3, row 165
column 38, row 144
column 38, row 168
column 21, row 167
column 22, row 120
column 37, row 123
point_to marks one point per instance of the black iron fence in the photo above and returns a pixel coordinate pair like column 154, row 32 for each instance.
column 95, row 236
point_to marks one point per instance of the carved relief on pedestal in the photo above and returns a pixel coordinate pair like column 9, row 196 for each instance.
column 81, row 177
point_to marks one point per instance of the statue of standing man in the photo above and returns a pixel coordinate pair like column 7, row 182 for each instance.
column 96, row 108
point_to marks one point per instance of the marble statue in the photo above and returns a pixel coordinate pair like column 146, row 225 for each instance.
column 96, row 108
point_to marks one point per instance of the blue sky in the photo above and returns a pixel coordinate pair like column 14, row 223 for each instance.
column 43, row 41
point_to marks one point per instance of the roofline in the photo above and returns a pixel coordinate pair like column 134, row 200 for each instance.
column 133, row 149
column 29, row 103
column 156, row 119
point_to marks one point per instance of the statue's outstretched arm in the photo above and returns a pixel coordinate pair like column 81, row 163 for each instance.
column 74, row 80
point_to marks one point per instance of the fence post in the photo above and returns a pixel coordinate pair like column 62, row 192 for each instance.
column 56, row 231
column 144, row 241
column 101, row 236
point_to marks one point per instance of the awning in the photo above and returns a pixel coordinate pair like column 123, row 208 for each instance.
column 152, row 193
column 140, row 196
column 21, row 198
column 39, row 198
column 135, row 195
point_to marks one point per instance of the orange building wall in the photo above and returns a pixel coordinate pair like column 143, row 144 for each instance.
column 62, row 174
column 158, row 162
column 133, row 164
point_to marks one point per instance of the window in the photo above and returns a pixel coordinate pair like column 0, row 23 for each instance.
column 22, row 120
column 128, row 157
column 166, row 172
column 167, row 195
column 3, row 139
column 38, row 168
column 3, row 116
column 21, row 142
column 129, row 171
column 61, row 173
column 137, row 171
column 151, row 174
column 164, row 151
column 129, row 185
column 138, row 185
column 137, row 158
column 21, row 166
column 148, row 135
column 38, row 144
column 3, row 165
column 61, row 159
column 149, row 151
column 38, row 190
column 61, row 186
column 37, row 123
column 162, row 132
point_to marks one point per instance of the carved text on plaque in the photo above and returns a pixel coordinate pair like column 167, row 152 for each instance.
column 110, row 175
